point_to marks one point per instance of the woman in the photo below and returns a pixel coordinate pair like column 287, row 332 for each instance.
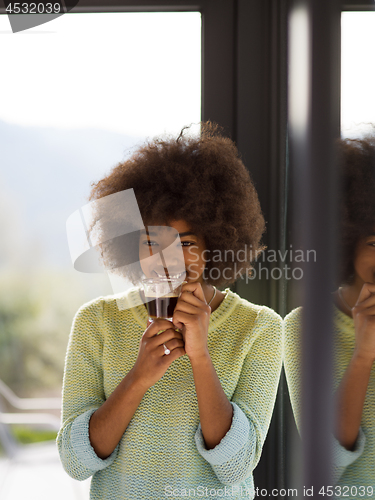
column 184, row 412
column 354, row 327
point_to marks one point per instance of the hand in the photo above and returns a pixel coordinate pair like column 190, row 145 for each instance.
column 192, row 317
column 364, row 322
column 152, row 362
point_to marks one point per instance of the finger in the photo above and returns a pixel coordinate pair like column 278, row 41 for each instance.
column 188, row 308
column 367, row 290
column 174, row 343
column 366, row 311
column 180, row 318
column 196, row 289
column 166, row 348
column 158, row 325
column 166, row 336
column 175, row 354
column 190, row 298
column 366, row 304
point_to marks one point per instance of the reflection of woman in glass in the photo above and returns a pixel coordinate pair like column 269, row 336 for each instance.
column 155, row 416
column 354, row 332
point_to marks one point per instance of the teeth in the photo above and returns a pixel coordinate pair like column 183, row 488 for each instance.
column 173, row 276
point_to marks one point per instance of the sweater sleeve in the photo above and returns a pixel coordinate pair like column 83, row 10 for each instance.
column 83, row 393
column 238, row 453
column 342, row 457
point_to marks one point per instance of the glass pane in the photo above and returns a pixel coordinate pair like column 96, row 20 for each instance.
column 353, row 375
column 357, row 72
column 353, row 416
column 81, row 91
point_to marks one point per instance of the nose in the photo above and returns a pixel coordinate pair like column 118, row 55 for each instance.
column 173, row 258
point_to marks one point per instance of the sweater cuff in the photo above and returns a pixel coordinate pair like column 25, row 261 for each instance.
column 343, row 457
column 80, row 441
column 231, row 443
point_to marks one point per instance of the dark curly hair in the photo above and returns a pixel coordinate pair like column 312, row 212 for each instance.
column 357, row 204
column 201, row 180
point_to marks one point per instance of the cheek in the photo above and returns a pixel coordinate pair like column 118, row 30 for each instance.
column 197, row 265
column 141, row 256
column 146, row 261
column 193, row 258
column 365, row 262
column 143, row 267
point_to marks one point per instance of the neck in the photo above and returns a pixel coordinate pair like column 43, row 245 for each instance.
column 208, row 291
column 351, row 291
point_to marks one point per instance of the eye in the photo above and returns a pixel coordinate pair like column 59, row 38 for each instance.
column 150, row 243
column 187, row 243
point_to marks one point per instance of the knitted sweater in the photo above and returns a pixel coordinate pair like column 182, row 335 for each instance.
column 350, row 468
column 162, row 452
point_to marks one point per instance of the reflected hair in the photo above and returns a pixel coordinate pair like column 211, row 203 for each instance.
column 357, row 203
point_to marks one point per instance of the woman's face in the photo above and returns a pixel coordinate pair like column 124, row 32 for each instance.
column 364, row 261
column 158, row 247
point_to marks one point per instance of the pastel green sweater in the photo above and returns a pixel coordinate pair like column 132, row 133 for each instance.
column 162, row 452
column 354, row 468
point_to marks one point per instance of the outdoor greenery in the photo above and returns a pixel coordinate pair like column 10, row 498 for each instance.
column 26, row 435
column 36, row 312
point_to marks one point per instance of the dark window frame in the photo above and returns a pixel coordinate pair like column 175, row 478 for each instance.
column 355, row 5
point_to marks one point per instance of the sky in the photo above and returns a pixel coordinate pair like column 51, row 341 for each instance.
column 134, row 73
column 139, row 73
column 357, row 71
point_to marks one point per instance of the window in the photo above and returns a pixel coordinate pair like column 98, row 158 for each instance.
column 82, row 90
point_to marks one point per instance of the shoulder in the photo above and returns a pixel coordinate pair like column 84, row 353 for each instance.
column 108, row 305
column 94, row 309
column 294, row 317
column 254, row 320
column 262, row 327
column 258, row 312
column 293, row 323
column 106, row 316
column 343, row 322
column 292, row 333
column 91, row 316
column 89, row 310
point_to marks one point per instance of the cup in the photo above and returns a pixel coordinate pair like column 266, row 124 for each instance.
column 161, row 296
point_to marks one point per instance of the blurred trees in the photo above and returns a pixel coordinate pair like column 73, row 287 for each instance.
column 37, row 301
column 36, row 312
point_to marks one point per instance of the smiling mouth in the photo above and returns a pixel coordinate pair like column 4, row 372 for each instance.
column 172, row 276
